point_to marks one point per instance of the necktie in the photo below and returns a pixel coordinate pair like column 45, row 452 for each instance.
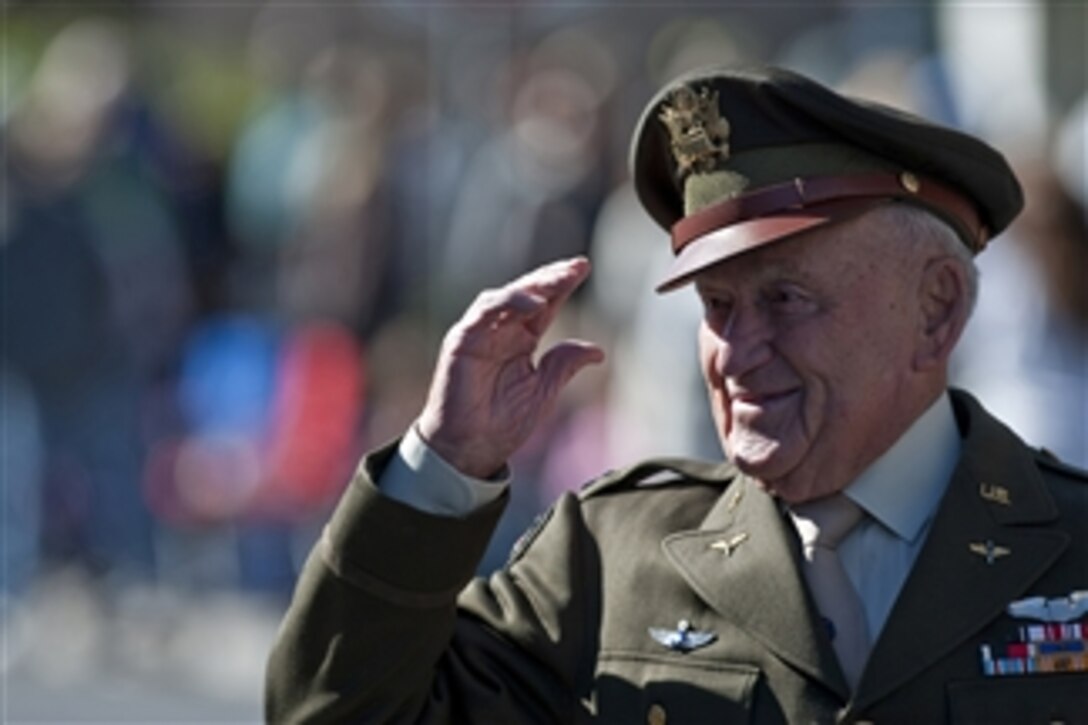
column 822, row 525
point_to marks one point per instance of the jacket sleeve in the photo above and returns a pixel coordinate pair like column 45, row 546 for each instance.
column 383, row 629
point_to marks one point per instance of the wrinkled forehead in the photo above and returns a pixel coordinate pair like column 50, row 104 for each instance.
column 781, row 261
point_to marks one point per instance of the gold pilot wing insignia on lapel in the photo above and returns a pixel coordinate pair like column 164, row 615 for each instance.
column 989, row 550
column 684, row 638
column 728, row 546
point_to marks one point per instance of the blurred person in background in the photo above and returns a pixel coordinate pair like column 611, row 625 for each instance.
column 877, row 548
column 96, row 294
column 529, row 194
column 271, row 390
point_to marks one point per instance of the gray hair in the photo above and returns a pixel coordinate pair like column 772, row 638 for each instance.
column 917, row 226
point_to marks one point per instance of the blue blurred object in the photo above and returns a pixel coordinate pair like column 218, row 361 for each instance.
column 228, row 375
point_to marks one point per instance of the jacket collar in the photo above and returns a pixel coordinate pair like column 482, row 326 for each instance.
column 996, row 502
column 744, row 561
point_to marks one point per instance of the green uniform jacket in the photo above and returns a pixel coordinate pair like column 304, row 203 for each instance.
column 386, row 627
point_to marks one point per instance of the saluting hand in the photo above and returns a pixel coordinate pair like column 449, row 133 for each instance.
column 488, row 394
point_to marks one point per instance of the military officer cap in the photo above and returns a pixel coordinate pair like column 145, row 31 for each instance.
column 728, row 160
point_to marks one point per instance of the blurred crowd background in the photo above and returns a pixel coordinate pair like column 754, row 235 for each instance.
column 232, row 237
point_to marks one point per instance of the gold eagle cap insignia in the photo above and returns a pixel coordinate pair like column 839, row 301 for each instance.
column 699, row 134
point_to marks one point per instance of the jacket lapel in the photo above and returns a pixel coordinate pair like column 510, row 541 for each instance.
column 987, row 545
column 743, row 561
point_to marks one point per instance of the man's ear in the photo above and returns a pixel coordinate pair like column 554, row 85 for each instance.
column 944, row 304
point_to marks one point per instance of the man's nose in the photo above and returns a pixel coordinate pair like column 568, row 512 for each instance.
column 745, row 342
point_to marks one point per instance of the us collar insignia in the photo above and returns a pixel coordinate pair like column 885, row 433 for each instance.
column 699, row 133
column 995, row 494
column 684, row 638
column 1059, row 609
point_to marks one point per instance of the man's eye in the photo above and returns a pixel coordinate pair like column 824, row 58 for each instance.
column 790, row 301
column 715, row 304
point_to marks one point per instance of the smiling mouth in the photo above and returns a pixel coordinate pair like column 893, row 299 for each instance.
column 762, row 400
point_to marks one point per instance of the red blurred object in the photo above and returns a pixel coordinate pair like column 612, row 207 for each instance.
column 317, row 405
column 291, row 464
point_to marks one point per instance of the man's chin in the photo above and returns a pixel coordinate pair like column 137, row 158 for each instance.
column 765, row 462
column 773, row 465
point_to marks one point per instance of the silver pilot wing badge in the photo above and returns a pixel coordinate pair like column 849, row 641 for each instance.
column 1059, row 609
column 684, row 638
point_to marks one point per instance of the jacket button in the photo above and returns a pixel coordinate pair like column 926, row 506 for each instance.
column 656, row 715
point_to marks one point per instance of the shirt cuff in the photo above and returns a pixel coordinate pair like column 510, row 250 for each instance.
column 420, row 478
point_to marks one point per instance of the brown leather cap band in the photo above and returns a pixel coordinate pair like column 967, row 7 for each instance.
column 804, row 193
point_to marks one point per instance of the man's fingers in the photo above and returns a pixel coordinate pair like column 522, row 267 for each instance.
column 563, row 362
column 542, row 290
column 496, row 307
column 566, row 276
column 554, row 279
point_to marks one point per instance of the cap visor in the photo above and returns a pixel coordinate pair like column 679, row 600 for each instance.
column 722, row 244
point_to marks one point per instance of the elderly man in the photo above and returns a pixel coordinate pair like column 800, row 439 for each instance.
column 877, row 547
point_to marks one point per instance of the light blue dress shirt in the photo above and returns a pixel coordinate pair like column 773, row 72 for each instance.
column 900, row 492
column 422, row 479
